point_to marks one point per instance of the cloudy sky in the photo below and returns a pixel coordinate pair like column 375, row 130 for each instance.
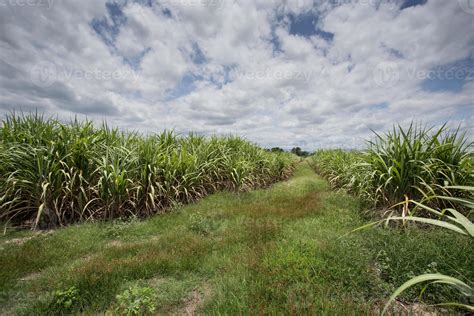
column 279, row 72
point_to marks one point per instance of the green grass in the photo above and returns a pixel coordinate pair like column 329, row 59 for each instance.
column 267, row 251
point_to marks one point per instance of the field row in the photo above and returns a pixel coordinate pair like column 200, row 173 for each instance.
column 52, row 174
column 417, row 163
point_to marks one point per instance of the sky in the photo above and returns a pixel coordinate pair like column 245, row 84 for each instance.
column 308, row 73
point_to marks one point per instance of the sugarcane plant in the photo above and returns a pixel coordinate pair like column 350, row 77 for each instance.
column 54, row 173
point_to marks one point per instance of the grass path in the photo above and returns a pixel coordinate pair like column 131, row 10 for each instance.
column 268, row 251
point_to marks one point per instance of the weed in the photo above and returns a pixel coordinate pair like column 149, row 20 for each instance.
column 136, row 301
column 64, row 301
column 201, row 224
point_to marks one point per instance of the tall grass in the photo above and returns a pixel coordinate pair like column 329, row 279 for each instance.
column 54, row 174
column 450, row 219
column 413, row 163
column 346, row 170
column 456, row 222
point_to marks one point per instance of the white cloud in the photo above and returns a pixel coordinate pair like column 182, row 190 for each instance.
column 251, row 76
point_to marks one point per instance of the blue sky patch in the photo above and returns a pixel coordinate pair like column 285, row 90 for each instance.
column 109, row 31
column 228, row 73
column 275, row 42
column 197, row 55
column 380, row 106
column 412, row 3
column 306, row 25
column 395, row 53
column 449, row 77
column 136, row 60
column 184, row 87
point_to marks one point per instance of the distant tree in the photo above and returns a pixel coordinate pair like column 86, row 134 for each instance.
column 294, row 150
column 277, row 150
column 297, row 151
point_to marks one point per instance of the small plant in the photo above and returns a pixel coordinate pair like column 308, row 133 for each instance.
column 118, row 227
column 201, row 224
column 383, row 263
column 64, row 301
column 136, row 301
